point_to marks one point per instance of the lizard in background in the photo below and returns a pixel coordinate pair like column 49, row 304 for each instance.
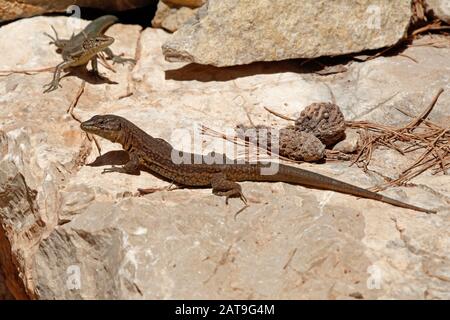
column 84, row 47
column 155, row 155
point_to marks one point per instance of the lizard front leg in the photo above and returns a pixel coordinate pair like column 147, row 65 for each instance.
column 94, row 64
column 95, row 71
column 131, row 167
column 117, row 58
column 54, row 84
column 59, row 43
column 227, row 188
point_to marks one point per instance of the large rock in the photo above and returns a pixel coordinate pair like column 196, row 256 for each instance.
column 30, row 179
column 13, row 9
column 227, row 33
column 440, row 9
column 72, row 232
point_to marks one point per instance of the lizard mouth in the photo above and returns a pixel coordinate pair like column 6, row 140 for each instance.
column 88, row 126
column 108, row 41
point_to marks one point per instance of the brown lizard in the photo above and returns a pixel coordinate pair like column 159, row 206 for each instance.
column 156, row 155
column 84, row 47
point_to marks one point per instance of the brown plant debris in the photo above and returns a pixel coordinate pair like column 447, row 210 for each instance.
column 418, row 134
column 260, row 152
column 418, row 9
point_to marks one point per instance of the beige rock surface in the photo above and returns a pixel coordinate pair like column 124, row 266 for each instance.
column 171, row 18
column 350, row 142
column 68, row 231
column 276, row 30
column 440, row 9
column 14, row 9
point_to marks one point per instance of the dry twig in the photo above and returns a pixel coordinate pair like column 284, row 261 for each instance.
column 71, row 108
column 418, row 134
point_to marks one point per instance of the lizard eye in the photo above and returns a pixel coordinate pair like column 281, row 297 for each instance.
column 99, row 120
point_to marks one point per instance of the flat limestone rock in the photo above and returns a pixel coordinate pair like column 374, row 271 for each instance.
column 68, row 231
column 276, row 30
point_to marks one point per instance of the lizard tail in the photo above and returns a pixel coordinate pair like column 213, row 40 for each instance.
column 311, row 179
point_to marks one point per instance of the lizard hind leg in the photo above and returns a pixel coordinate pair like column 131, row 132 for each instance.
column 227, row 188
column 117, row 58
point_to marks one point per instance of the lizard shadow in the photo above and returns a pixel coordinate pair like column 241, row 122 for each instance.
column 87, row 75
column 121, row 157
column 115, row 157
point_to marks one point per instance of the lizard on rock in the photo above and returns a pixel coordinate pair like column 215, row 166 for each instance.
column 157, row 156
column 84, row 47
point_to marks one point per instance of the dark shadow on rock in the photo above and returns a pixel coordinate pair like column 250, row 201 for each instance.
column 321, row 66
column 205, row 73
column 115, row 157
column 88, row 76
column 119, row 158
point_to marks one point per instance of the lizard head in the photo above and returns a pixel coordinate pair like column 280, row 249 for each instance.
column 107, row 126
column 98, row 43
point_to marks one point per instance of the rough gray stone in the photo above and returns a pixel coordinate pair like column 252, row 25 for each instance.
column 227, row 33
